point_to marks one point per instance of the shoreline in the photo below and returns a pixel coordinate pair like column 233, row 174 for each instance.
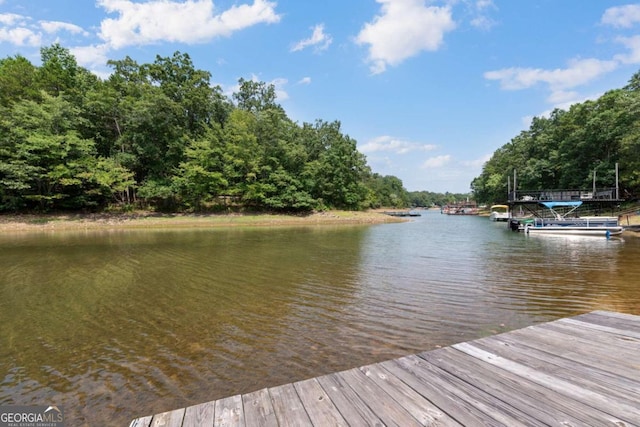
column 141, row 220
column 148, row 220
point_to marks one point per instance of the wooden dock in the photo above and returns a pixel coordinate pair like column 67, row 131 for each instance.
column 402, row 213
column 579, row 371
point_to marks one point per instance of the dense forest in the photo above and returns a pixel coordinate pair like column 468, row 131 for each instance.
column 160, row 136
column 563, row 150
column 429, row 199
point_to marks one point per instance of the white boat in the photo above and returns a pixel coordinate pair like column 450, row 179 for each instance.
column 574, row 228
column 561, row 224
column 499, row 213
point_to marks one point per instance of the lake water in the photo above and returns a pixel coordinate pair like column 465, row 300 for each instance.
column 112, row 325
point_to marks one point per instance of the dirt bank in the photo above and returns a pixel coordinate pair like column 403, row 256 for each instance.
column 155, row 220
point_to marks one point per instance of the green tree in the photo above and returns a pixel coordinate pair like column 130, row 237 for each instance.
column 61, row 75
column 17, row 81
column 200, row 179
column 162, row 136
column 44, row 162
column 282, row 165
column 630, row 142
column 388, row 191
column 342, row 173
column 112, row 182
column 190, row 88
column 58, row 71
column 563, row 151
column 242, row 156
column 255, row 96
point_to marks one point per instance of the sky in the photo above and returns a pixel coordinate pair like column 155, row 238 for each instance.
column 428, row 89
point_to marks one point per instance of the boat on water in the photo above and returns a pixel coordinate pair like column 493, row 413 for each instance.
column 499, row 213
column 463, row 208
column 564, row 224
column 585, row 226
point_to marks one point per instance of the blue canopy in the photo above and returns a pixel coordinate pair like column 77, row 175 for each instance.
column 552, row 205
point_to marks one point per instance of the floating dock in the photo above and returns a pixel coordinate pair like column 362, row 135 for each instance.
column 579, row 371
column 402, row 213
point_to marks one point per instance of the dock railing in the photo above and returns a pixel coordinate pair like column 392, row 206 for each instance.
column 608, row 193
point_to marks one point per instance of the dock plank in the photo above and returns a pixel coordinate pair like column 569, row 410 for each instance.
column 579, row 379
column 199, row 415
column 567, row 345
column 602, row 319
column 168, row 419
column 319, row 407
column 288, row 407
column 615, row 330
column 492, row 410
column 607, row 335
column 378, row 400
column 569, row 389
column 624, row 383
column 258, row 409
column 586, row 350
column 576, row 393
column 141, row 422
column 542, row 403
column 443, row 360
column 632, row 318
column 229, row 412
column 413, row 402
column 353, row 409
column 579, row 371
column 460, row 411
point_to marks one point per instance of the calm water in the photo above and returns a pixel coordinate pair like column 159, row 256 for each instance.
column 112, row 325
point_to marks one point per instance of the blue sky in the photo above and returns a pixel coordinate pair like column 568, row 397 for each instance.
column 429, row 89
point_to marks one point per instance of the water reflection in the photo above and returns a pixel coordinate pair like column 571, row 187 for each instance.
column 564, row 275
column 107, row 322
column 113, row 325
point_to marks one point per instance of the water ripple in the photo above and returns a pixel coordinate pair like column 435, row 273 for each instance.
column 116, row 325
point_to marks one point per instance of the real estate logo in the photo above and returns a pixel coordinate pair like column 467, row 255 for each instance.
column 31, row 416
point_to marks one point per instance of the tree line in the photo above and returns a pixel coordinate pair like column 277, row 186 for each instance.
column 429, row 199
column 161, row 136
column 562, row 151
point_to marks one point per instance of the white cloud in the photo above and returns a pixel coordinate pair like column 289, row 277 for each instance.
column 402, row 30
column 484, row 4
column 16, row 30
column 21, row 31
column 563, row 101
column 395, row 145
column 91, row 56
column 436, row 162
column 622, row 16
column 481, row 20
column 561, row 81
column 318, row 39
column 477, row 163
column 633, row 44
column 56, row 26
column 305, row 81
column 192, row 21
column 559, row 97
column 279, row 86
column 579, row 72
column 11, row 18
column 20, row 36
